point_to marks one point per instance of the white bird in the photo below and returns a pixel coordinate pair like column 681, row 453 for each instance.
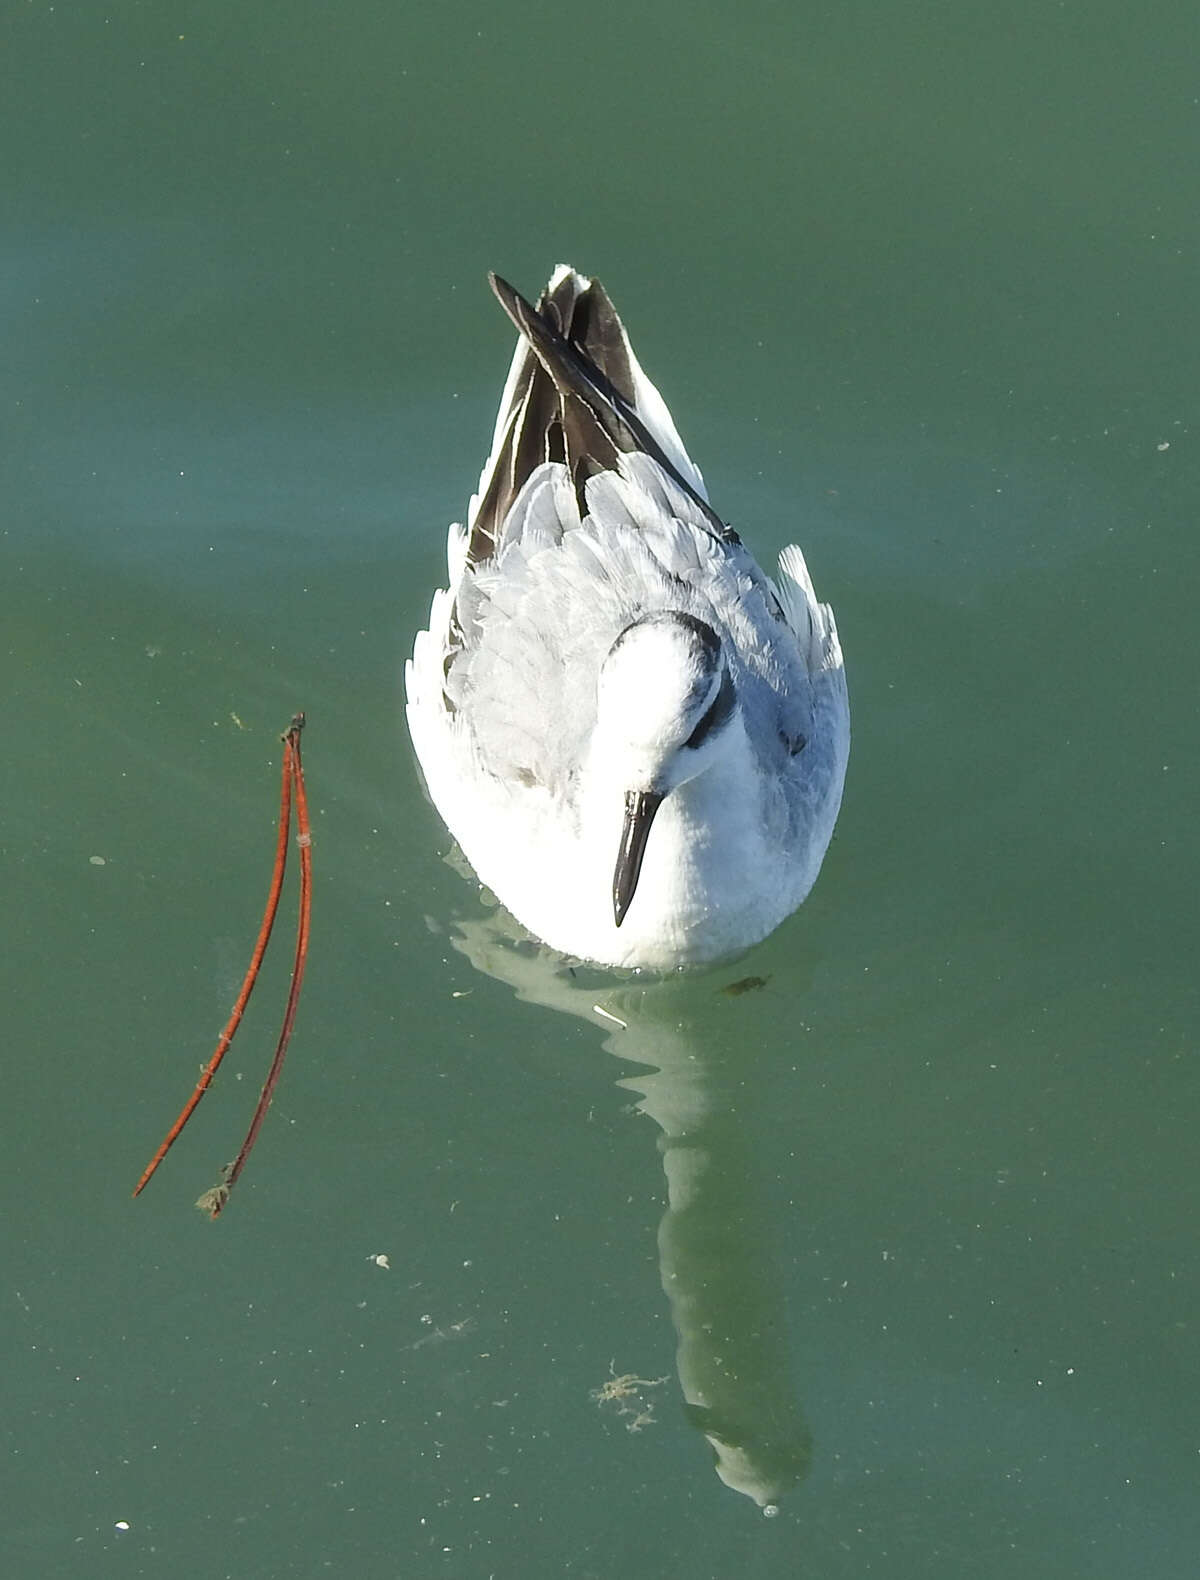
column 637, row 738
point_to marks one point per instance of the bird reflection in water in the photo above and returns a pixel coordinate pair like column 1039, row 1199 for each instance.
column 716, row 1269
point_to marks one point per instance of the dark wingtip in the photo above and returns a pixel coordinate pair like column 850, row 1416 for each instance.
column 575, row 374
column 511, row 300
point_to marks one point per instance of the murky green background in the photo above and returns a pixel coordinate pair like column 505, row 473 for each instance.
column 920, row 283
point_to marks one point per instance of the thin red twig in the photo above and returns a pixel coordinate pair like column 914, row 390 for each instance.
column 214, row 1201
column 290, row 750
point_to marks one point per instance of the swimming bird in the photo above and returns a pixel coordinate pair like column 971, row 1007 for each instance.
column 637, row 738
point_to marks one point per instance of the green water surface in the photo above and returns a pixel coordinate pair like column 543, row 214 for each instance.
column 907, row 1229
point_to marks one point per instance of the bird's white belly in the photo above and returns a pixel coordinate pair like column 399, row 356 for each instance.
column 712, row 882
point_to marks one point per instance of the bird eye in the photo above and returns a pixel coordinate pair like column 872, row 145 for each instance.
column 715, row 714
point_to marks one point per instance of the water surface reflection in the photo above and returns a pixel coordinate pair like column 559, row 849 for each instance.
column 714, row 1240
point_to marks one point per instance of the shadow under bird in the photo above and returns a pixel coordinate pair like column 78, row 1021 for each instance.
column 636, row 736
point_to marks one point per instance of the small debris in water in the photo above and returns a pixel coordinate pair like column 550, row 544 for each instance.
column 744, row 985
column 616, row 1020
column 626, row 1393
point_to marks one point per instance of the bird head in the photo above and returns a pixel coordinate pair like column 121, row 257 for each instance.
column 665, row 700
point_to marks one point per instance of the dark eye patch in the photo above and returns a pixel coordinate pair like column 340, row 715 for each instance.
column 715, row 714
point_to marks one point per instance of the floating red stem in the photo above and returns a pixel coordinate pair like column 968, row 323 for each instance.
column 292, row 783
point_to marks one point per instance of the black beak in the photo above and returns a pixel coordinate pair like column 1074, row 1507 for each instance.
column 640, row 807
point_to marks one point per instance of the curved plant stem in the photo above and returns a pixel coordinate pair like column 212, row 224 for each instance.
column 290, row 749
column 214, row 1201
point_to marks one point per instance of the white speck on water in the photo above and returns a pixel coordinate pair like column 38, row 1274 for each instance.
column 616, row 1020
column 98, row 861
